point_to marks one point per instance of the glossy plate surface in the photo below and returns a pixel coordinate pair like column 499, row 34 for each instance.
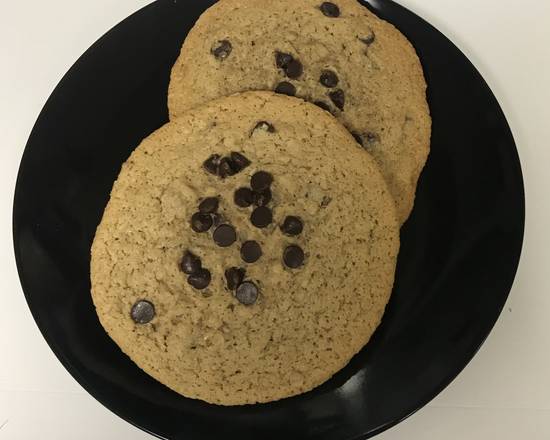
column 460, row 248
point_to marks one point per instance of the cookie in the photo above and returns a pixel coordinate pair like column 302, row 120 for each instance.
column 247, row 251
column 337, row 55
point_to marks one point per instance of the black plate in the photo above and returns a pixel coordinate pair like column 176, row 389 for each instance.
column 459, row 255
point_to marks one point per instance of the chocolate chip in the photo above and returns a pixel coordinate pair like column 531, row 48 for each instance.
column 283, row 59
column 338, row 98
column 261, row 181
column 142, row 312
column 212, row 163
column 323, row 105
column 190, row 264
column 243, row 197
column 330, row 9
column 357, row 137
column 247, row 293
column 201, row 222
column 225, row 235
column 293, row 257
column 222, row 49
column 234, row 277
column 369, row 39
column 209, row 205
column 239, row 161
column 261, row 217
column 262, row 198
column 285, row 88
column 294, row 69
column 226, row 168
column 251, row 251
column 264, row 126
column 328, row 79
column 292, row 226
column 200, row 280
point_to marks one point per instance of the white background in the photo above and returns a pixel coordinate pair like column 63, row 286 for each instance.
column 504, row 393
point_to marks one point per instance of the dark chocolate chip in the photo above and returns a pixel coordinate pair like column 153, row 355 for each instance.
column 212, row 163
column 190, row 263
column 225, row 235
column 239, row 161
column 292, row 226
column 285, row 88
column 283, row 59
column 226, row 168
column 262, row 198
column 323, row 105
column 329, row 79
column 369, row 39
column 294, row 69
column 264, row 126
column 200, row 280
column 243, row 197
column 201, row 222
column 251, row 251
column 261, row 217
column 261, row 181
column 357, row 137
column 330, row 9
column 142, row 312
column 293, row 257
column 234, row 277
column 222, row 49
column 338, row 98
column 247, row 293
column 209, row 205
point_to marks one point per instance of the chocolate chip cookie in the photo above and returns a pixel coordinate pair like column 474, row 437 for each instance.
column 247, row 251
column 337, row 55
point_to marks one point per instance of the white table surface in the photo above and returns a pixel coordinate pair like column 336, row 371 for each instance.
column 504, row 393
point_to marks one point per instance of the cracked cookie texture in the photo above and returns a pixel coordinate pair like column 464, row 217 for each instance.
column 336, row 54
column 307, row 322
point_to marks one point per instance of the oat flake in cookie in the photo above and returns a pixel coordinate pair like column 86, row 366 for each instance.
column 223, row 310
column 337, row 54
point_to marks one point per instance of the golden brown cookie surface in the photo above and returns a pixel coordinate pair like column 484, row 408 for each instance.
column 299, row 239
column 336, row 54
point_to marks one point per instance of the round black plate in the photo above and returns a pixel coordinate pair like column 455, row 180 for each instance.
column 459, row 254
